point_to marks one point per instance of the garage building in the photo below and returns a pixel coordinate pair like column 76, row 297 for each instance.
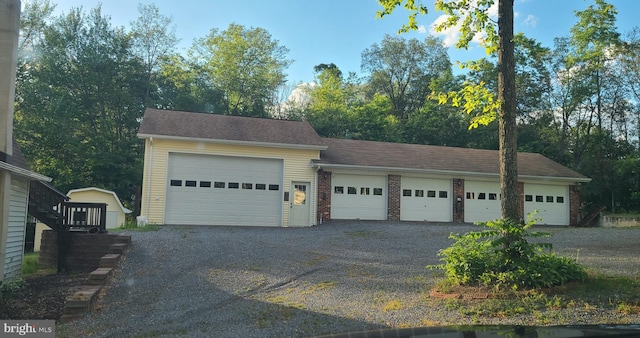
column 212, row 169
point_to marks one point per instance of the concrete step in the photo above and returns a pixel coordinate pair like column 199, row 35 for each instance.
column 124, row 239
column 79, row 303
column 109, row 260
column 118, row 248
column 99, row 276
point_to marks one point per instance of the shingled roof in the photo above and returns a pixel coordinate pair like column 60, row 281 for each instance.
column 436, row 159
column 203, row 126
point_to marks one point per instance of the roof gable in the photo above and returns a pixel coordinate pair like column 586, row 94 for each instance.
column 103, row 191
column 225, row 128
column 436, row 159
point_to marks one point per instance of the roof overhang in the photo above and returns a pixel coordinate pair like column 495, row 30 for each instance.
column 448, row 172
column 234, row 142
column 23, row 172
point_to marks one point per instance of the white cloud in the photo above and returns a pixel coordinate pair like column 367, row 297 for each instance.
column 450, row 36
column 422, row 29
column 531, row 21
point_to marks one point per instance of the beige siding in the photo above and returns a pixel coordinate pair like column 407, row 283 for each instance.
column 297, row 167
column 96, row 196
column 16, row 230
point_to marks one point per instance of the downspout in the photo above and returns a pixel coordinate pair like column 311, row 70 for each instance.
column 148, row 197
column 315, row 205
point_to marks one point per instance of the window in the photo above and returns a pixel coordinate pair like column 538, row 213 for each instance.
column 471, row 195
column 559, row 199
column 419, row 193
column 274, row 187
column 443, row 194
column 176, row 183
column 549, row 199
column 377, row 191
column 205, row 184
column 338, row 190
column 482, row 196
column 190, row 183
column 493, row 196
column 300, row 194
column 261, row 186
column 528, row 198
column 406, row 192
column 233, row 185
column 364, row 191
column 431, row 193
column 539, row 198
column 352, row 190
column 247, row 185
column 218, row 184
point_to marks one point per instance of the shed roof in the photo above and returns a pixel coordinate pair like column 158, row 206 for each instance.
column 106, row 192
column 436, row 159
column 229, row 129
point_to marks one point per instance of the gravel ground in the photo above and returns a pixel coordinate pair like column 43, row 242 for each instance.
column 201, row 281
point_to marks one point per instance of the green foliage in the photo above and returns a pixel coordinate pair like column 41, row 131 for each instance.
column 133, row 226
column 29, row 263
column 245, row 64
column 503, row 257
column 9, row 288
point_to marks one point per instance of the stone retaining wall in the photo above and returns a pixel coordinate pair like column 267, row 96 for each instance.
column 84, row 252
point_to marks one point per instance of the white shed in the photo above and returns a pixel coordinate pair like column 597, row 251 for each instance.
column 116, row 212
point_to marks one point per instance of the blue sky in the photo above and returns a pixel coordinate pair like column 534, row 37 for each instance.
column 325, row 31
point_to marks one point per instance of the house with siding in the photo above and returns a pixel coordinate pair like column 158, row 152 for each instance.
column 212, row 169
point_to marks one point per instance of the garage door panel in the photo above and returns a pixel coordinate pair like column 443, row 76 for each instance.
column 424, row 199
column 551, row 203
column 359, row 197
column 482, row 201
column 224, row 190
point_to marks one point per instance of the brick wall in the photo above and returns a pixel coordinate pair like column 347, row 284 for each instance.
column 84, row 252
column 458, row 200
column 574, row 204
column 393, row 197
column 324, row 196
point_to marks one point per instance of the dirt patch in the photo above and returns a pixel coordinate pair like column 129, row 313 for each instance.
column 41, row 297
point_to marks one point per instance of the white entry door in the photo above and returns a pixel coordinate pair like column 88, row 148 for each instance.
column 300, row 204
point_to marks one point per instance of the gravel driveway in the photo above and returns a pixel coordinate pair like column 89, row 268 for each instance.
column 199, row 281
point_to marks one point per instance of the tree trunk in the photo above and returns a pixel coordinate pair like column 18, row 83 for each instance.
column 507, row 97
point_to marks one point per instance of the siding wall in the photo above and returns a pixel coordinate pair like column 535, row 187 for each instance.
column 95, row 196
column 16, row 228
column 297, row 167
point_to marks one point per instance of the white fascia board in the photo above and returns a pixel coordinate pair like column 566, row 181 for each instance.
column 24, row 172
column 457, row 174
column 233, row 142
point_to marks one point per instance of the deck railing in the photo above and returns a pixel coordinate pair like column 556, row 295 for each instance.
column 91, row 217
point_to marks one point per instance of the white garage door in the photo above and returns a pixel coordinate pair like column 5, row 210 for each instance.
column 425, row 199
column 224, row 190
column 358, row 197
column 551, row 202
column 482, row 201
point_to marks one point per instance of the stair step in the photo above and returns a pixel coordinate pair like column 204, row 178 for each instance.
column 118, row 248
column 99, row 276
column 123, row 239
column 109, row 260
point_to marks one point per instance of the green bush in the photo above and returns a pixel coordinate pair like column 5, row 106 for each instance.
column 503, row 257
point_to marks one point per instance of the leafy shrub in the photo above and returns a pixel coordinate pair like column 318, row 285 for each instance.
column 503, row 257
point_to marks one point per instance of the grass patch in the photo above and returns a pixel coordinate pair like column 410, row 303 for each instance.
column 392, row 305
column 30, row 266
column 359, row 233
column 133, row 226
column 597, row 291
